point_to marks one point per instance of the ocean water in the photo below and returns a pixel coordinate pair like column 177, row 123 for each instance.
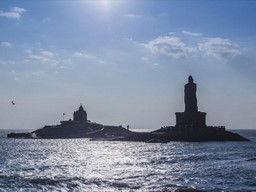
column 83, row 165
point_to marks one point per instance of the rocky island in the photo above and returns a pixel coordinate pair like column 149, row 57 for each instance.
column 79, row 127
column 190, row 126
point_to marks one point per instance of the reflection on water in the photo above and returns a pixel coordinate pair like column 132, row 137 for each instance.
column 83, row 165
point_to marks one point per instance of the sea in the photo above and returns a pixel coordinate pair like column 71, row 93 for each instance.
column 84, row 165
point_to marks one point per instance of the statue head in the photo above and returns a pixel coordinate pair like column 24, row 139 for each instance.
column 190, row 79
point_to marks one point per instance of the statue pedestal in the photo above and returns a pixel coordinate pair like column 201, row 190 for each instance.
column 192, row 119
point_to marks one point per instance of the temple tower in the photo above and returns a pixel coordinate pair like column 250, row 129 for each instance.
column 80, row 115
column 191, row 117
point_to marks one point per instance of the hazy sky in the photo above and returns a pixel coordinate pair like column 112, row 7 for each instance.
column 126, row 61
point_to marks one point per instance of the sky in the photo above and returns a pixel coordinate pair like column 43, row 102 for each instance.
column 126, row 61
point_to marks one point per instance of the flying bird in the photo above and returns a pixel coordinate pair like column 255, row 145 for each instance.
column 13, row 103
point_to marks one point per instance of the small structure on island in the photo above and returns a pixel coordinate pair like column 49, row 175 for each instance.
column 191, row 118
column 79, row 118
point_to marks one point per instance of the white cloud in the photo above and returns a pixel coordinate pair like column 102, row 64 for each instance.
column 7, row 62
column 133, row 15
column 192, row 34
column 145, row 59
column 47, row 54
column 172, row 33
column 6, row 44
column 131, row 40
column 42, row 56
column 170, row 46
column 219, row 47
column 38, row 73
column 17, row 9
column 79, row 54
column 173, row 46
column 28, row 51
column 13, row 13
column 88, row 56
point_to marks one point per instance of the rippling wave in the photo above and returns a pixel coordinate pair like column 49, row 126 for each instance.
column 83, row 165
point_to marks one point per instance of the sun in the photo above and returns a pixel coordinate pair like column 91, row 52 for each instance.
column 106, row 5
column 109, row 5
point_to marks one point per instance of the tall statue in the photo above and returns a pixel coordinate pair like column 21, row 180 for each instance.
column 190, row 96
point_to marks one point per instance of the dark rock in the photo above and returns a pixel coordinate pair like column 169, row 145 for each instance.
column 19, row 135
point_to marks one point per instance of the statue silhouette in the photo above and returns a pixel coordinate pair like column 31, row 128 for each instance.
column 191, row 117
column 190, row 96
